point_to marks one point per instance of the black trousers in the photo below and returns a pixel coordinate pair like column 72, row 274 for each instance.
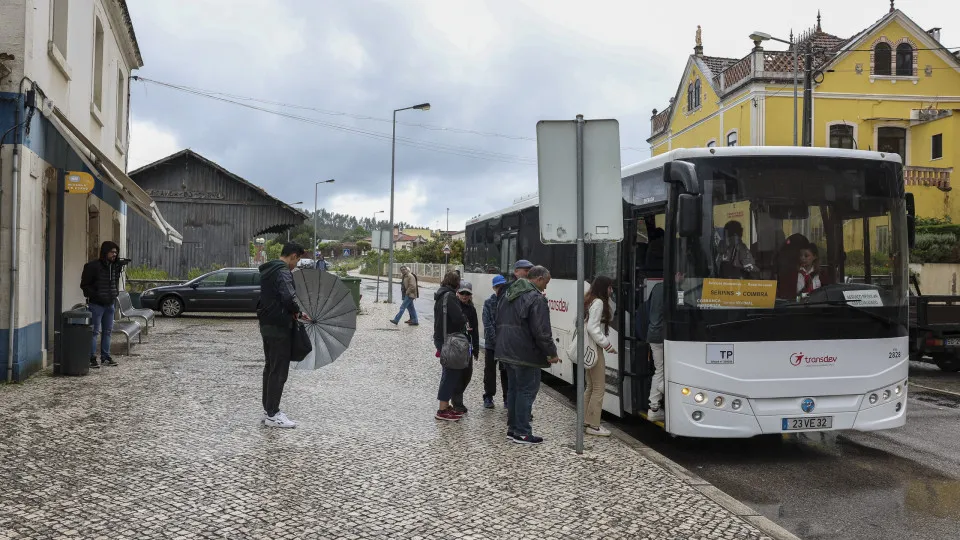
column 466, row 375
column 490, row 376
column 277, row 352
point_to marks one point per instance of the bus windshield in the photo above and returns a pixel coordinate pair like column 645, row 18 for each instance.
column 787, row 232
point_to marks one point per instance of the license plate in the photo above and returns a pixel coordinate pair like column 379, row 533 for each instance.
column 952, row 342
column 810, row 422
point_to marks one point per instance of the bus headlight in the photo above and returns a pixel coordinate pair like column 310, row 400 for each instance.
column 718, row 401
column 736, row 404
column 697, row 416
column 886, row 395
column 873, row 398
column 685, row 391
column 699, row 398
column 898, row 390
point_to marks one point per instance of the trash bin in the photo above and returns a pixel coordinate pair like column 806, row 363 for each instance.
column 353, row 283
column 75, row 336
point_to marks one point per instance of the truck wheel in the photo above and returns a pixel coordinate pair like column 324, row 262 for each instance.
column 947, row 362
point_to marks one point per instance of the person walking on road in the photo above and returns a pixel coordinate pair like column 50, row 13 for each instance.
column 525, row 344
column 100, row 283
column 655, row 340
column 445, row 302
column 465, row 295
column 277, row 312
column 597, row 307
column 489, row 341
column 411, row 291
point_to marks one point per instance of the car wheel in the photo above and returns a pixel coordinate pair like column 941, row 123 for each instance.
column 171, row 306
column 947, row 362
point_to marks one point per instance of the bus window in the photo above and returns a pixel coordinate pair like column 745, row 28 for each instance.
column 508, row 254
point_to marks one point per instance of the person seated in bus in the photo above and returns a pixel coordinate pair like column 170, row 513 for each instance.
column 734, row 260
column 788, row 258
column 808, row 277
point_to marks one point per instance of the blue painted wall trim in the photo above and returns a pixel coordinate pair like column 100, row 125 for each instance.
column 45, row 140
column 28, row 349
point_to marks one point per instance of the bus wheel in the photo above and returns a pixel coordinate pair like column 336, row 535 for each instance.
column 947, row 362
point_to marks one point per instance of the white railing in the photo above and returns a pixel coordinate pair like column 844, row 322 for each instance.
column 425, row 270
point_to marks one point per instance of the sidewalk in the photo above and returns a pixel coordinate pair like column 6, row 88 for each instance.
column 168, row 445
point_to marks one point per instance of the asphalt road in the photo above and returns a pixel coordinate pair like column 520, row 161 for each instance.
column 896, row 484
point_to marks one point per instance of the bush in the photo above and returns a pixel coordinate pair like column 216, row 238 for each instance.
column 145, row 272
column 936, row 248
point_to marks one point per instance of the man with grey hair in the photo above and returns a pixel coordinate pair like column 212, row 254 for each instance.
column 411, row 291
column 525, row 345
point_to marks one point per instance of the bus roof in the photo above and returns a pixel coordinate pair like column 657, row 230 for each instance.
column 765, row 151
column 516, row 207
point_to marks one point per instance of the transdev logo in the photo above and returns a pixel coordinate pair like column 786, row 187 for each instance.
column 558, row 305
column 799, row 358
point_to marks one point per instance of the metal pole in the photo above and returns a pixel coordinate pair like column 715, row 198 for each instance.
column 808, row 98
column 447, row 234
column 796, row 70
column 393, row 163
column 581, row 372
column 313, row 250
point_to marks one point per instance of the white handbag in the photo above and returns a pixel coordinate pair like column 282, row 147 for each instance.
column 589, row 351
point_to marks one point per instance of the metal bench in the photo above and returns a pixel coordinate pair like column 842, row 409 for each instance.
column 127, row 311
column 128, row 329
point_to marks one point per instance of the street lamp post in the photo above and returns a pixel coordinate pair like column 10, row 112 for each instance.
column 393, row 164
column 446, row 256
column 760, row 36
column 316, row 189
column 288, row 230
column 379, row 252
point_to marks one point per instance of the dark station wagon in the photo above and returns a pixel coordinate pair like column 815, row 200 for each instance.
column 231, row 290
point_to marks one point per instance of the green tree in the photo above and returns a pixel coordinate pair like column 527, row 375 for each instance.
column 363, row 246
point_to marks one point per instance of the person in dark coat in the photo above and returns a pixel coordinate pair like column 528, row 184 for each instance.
column 525, row 344
column 489, row 342
column 100, row 283
column 450, row 379
column 277, row 312
column 465, row 295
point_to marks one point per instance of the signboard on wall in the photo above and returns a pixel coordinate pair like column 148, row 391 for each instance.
column 79, row 182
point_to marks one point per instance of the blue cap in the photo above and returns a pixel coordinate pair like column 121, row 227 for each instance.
column 499, row 280
column 523, row 263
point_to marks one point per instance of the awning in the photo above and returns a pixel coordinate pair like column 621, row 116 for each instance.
column 129, row 191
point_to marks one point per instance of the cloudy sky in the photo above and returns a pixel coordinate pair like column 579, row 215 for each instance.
column 490, row 69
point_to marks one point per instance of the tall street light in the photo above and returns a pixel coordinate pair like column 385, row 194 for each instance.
column 757, row 37
column 393, row 165
column 288, row 230
column 316, row 189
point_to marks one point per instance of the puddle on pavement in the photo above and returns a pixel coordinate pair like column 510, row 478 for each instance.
column 932, row 398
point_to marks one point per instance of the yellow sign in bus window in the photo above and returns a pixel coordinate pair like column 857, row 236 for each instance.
column 79, row 182
column 738, row 293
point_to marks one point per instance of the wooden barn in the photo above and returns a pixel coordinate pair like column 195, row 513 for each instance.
column 217, row 212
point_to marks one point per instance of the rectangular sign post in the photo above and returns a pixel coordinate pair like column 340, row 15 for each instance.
column 570, row 157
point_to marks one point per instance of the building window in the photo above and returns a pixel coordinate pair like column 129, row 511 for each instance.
column 904, row 60
column 689, row 97
column 881, row 59
column 882, row 242
column 732, row 138
column 936, row 144
column 893, row 140
column 696, row 93
column 121, row 99
column 841, row 136
column 98, row 66
column 59, row 30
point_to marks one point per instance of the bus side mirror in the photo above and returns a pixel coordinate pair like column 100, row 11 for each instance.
column 911, row 220
column 683, row 173
column 688, row 215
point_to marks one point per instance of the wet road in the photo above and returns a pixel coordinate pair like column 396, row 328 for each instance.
column 895, row 484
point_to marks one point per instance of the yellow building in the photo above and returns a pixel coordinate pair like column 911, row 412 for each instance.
column 892, row 87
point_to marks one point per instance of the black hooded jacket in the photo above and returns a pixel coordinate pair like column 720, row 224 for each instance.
column 456, row 320
column 278, row 305
column 100, row 280
column 524, row 334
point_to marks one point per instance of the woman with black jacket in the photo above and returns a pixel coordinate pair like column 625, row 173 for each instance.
column 451, row 379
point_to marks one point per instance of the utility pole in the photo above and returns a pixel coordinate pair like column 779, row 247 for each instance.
column 808, row 97
column 446, row 259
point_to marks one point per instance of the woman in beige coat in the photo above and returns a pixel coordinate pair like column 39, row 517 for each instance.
column 599, row 314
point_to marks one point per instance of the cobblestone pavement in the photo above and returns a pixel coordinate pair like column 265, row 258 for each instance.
column 169, row 445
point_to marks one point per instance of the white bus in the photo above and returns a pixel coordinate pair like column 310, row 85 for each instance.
column 751, row 347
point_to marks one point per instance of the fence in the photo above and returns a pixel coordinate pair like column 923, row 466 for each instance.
column 428, row 272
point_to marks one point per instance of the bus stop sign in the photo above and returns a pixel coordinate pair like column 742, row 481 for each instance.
column 557, row 172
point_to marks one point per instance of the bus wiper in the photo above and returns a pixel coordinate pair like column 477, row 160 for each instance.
column 753, row 317
column 848, row 305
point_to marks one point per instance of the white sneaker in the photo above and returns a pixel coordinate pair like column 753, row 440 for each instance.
column 599, row 431
column 279, row 420
column 656, row 415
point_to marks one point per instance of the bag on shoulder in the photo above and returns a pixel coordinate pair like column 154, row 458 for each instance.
column 455, row 352
column 589, row 351
column 301, row 346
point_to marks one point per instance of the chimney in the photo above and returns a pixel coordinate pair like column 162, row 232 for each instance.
column 935, row 33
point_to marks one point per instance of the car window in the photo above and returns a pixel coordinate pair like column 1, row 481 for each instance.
column 243, row 279
column 218, row 279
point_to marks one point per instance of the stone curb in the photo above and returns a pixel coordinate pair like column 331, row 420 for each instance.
column 737, row 508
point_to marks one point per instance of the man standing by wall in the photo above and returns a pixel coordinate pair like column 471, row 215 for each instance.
column 411, row 291
column 277, row 312
column 100, row 283
column 525, row 344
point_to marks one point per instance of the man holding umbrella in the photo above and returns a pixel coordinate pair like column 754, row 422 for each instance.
column 277, row 312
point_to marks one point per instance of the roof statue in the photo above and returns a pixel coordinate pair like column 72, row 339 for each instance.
column 699, row 41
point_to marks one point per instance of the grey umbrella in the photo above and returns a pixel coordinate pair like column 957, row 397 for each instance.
column 333, row 315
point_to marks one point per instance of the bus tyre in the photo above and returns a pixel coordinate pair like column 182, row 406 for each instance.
column 947, row 362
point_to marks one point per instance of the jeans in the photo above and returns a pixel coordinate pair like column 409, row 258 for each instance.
column 277, row 352
column 405, row 305
column 596, row 388
column 102, row 325
column 490, row 376
column 466, row 375
column 522, row 388
column 450, row 382
column 656, row 388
